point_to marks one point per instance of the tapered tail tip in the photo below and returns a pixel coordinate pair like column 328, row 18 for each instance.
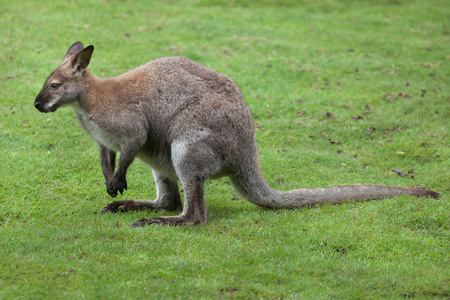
column 422, row 192
column 433, row 194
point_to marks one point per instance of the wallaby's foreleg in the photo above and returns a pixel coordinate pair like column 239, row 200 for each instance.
column 167, row 197
column 108, row 161
column 118, row 182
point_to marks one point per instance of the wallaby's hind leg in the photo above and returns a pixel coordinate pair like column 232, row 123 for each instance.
column 194, row 211
column 167, row 197
column 193, row 162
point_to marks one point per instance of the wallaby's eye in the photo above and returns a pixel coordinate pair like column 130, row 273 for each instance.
column 55, row 86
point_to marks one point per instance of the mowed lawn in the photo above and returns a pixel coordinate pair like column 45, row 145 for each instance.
column 342, row 92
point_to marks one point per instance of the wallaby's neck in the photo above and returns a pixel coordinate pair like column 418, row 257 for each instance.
column 96, row 93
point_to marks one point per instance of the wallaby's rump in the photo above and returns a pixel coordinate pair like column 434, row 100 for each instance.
column 188, row 123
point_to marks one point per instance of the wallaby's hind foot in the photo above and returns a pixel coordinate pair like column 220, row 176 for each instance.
column 171, row 220
column 128, row 205
column 119, row 206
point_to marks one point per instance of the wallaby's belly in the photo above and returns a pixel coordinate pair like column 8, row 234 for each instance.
column 158, row 163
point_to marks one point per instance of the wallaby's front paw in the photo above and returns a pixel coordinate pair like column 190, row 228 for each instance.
column 116, row 185
column 119, row 206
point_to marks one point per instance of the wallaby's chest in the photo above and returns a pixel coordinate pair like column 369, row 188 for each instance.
column 99, row 134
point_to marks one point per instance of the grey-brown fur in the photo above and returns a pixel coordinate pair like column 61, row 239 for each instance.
column 188, row 123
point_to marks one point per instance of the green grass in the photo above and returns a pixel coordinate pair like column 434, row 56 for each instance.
column 344, row 58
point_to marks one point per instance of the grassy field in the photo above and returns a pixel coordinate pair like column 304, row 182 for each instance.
column 342, row 92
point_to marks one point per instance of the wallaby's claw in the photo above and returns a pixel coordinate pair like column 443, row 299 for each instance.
column 111, row 193
column 116, row 186
column 122, row 190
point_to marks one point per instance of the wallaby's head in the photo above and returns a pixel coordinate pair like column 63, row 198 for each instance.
column 67, row 83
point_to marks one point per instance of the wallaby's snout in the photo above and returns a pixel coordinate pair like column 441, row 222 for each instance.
column 43, row 104
column 38, row 104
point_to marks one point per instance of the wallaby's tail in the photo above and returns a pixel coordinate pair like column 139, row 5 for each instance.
column 252, row 186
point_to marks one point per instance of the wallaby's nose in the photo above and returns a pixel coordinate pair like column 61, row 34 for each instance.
column 38, row 105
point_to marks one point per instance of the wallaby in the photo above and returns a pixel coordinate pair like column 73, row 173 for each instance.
column 188, row 123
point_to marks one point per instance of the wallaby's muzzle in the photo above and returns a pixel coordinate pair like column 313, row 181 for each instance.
column 40, row 106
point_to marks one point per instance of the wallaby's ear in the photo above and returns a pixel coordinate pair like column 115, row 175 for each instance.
column 75, row 48
column 82, row 59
